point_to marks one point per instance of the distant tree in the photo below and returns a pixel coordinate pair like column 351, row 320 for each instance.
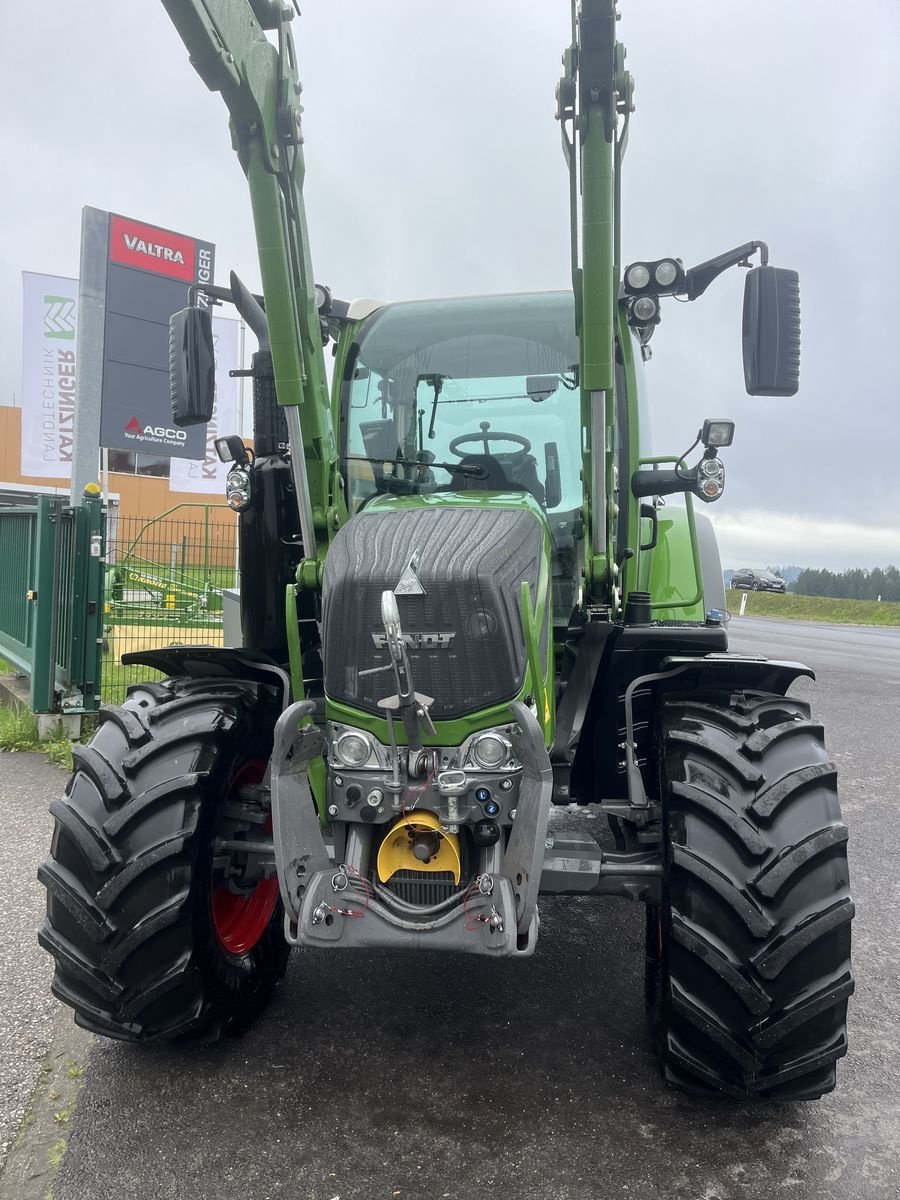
column 789, row 573
column 857, row 583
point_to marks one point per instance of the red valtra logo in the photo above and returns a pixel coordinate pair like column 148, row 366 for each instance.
column 151, row 249
column 134, row 426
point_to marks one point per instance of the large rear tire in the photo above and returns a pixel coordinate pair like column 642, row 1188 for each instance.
column 150, row 943
column 749, row 955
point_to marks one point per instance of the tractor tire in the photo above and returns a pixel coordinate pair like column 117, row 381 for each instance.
column 149, row 943
column 748, row 957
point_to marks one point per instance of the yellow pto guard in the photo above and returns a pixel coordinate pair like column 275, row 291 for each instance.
column 416, row 842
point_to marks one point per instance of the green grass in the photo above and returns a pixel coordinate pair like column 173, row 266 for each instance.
column 18, row 731
column 115, row 678
column 816, row 608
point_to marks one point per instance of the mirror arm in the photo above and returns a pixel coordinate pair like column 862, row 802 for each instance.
column 663, row 483
column 698, row 278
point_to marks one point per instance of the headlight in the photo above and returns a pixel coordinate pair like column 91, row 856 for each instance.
column 637, row 276
column 237, row 489
column 352, row 749
column 645, row 309
column 490, row 751
column 711, row 468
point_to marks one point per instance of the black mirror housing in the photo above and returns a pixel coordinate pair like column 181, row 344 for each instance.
column 192, row 366
column 771, row 332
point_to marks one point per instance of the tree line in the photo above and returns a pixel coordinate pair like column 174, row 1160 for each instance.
column 856, row 584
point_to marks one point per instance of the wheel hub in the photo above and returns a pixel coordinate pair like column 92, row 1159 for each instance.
column 240, row 919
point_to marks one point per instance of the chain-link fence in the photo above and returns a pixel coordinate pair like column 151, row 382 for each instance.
column 165, row 579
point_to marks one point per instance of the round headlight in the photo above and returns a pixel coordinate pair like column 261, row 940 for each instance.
column 645, row 308
column 238, row 499
column 712, row 467
column 666, row 273
column 238, row 479
column 352, row 749
column 637, row 276
column 490, row 751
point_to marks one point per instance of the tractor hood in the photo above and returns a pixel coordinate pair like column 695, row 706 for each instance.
column 456, row 563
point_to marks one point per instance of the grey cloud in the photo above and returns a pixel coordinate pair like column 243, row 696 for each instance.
column 434, row 168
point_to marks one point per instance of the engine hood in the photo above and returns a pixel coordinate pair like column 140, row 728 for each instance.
column 456, row 563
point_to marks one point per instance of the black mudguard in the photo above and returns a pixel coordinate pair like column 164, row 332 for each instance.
column 215, row 662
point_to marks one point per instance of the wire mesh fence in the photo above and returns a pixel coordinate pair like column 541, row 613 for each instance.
column 165, row 579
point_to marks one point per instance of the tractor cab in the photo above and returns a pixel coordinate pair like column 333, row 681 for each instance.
column 468, row 398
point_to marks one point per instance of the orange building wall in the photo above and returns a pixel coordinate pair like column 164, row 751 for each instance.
column 139, row 495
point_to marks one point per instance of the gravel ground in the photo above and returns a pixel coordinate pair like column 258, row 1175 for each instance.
column 27, row 785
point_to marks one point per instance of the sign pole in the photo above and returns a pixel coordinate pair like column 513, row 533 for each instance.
column 91, row 319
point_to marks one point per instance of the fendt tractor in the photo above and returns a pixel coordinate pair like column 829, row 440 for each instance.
column 468, row 594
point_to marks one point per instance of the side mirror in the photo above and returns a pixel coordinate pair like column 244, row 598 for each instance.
column 771, row 332
column 192, row 366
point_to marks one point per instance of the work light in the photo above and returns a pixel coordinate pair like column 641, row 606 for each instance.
column 637, row 276
column 717, row 433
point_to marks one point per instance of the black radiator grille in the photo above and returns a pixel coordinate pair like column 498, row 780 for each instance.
column 422, row 887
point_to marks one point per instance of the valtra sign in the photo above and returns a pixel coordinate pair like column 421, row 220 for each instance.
column 149, row 272
column 150, row 249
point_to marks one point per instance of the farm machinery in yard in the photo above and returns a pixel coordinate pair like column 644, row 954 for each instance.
column 463, row 600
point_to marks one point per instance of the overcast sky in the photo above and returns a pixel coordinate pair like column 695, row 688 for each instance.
column 434, row 168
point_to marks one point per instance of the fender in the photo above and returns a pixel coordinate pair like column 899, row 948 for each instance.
column 728, row 670
column 671, row 575
column 214, row 662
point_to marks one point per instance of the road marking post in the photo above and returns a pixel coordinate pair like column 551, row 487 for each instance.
column 743, row 604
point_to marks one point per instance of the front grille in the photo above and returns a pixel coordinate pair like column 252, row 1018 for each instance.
column 423, row 888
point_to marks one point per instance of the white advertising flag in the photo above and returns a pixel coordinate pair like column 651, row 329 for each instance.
column 49, row 328
column 208, row 474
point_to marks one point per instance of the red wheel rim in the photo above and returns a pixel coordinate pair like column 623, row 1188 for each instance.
column 240, row 921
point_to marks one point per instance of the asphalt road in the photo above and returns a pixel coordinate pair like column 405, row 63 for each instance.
column 402, row 1076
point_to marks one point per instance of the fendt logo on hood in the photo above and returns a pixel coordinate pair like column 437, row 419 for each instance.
column 155, row 433
column 418, row 641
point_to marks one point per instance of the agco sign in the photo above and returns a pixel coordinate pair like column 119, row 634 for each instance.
column 154, row 433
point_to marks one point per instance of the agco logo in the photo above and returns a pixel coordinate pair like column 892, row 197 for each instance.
column 157, row 433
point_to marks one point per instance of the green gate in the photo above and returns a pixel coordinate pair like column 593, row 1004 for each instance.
column 51, row 600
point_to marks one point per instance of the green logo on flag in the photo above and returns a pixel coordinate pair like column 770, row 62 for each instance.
column 59, row 317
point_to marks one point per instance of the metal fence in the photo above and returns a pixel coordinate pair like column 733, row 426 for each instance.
column 165, row 579
column 51, row 599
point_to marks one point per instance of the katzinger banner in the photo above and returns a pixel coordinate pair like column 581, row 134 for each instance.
column 49, row 327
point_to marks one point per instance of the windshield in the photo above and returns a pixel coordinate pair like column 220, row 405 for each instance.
column 467, row 394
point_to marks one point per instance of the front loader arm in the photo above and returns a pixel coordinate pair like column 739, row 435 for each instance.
column 259, row 82
column 594, row 90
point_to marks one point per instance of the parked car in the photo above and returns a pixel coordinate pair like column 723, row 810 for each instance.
column 757, row 581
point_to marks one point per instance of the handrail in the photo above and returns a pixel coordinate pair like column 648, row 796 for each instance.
column 677, row 461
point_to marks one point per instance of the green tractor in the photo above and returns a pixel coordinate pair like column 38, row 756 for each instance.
column 464, row 600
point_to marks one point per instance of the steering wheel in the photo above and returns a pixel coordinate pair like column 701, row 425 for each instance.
column 485, row 437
